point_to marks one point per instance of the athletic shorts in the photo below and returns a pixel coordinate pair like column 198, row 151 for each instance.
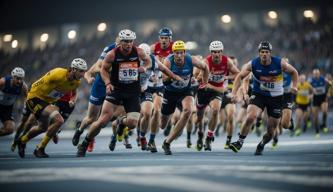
column 97, row 92
column 172, row 99
column 36, row 106
column 6, row 113
column 130, row 100
column 205, row 96
column 272, row 104
column 64, row 109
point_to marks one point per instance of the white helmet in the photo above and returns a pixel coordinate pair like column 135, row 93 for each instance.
column 18, row 72
column 216, row 46
column 79, row 63
column 145, row 47
column 126, row 34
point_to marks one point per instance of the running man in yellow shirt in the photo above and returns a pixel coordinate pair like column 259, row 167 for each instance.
column 44, row 92
column 302, row 102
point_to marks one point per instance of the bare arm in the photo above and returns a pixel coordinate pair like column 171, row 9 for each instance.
column 95, row 68
column 2, row 83
column 203, row 66
column 167, row 71
column 146, row 60
column 246, row 70
column 106, row 67
column 232, row 69
column 24, row 89
column 286, row 67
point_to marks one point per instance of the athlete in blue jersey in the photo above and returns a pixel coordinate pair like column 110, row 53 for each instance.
column 148, row 96
column 267, row 92
column 96, row 98
column 319, row 84
column 11, row 87
column 180, row 63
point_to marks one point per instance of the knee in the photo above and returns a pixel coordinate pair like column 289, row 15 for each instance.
column 132, row 123
column 250, row 118
column 187, row 112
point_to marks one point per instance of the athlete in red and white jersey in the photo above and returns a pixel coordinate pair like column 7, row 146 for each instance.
column 163, row 47
column 219, row 68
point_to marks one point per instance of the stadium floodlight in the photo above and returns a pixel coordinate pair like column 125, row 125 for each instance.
column 308, row 14
column 14, row 44
column 71, row 34
column 101, row 27
column 272, row 15
column 7, row 37
column 44, row 37
column 226, row 18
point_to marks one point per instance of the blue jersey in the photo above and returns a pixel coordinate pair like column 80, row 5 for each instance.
column 144, row 77
column 319, row 85
column 185, row 73
column 286, row 82
column 267, row 79
column 106, row 50
column 98, row 89
column 9, row 93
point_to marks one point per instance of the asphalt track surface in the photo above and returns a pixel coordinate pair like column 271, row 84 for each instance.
column 298, row 164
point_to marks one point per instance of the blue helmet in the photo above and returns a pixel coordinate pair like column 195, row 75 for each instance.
column 165, row 32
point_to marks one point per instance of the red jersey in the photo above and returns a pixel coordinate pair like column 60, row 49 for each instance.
column 67, row 97
column 162, row 52
column 217, row 72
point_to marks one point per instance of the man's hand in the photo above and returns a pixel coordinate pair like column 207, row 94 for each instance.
column 109, row 88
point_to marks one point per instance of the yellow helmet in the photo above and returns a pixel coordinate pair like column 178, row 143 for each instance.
column 178, row 46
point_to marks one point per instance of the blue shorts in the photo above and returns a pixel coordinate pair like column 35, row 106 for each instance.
column 98, row 91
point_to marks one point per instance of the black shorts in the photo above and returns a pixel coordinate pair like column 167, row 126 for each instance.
column 172, row 99
column 6, row 113
column 158, row 90
column 272, row 104
column 318, row 100
column 36, row 106
column 303, row 107
column 205, row 96
column 64, row 109
column 130, row 100
column 225, row 100
column 288, row 101
column 146, row 96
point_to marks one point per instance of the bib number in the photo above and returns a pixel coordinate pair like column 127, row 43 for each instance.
column 128, row 71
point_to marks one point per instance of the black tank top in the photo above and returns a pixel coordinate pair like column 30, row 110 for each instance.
column 124, row 74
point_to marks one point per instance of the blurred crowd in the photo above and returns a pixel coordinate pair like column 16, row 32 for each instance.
column 306, row 44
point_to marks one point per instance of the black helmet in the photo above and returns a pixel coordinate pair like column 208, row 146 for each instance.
column 265, row 45
column 165, row 32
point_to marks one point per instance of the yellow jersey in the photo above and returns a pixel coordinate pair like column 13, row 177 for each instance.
column 303, row 94
column 53, row 85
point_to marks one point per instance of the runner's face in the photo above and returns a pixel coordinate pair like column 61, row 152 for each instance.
column 264, row 55
column 216, row 55
column 17, row 80
column 164, row 41
column 126, row 45
column 179, row 56
column 78, row 74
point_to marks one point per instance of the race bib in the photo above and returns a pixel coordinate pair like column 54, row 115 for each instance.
column 217, row 78
column 304, row 92
column 182, row 84
column 267, row 86
column 128, row 71
column 320, row 90
column 55, row 94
